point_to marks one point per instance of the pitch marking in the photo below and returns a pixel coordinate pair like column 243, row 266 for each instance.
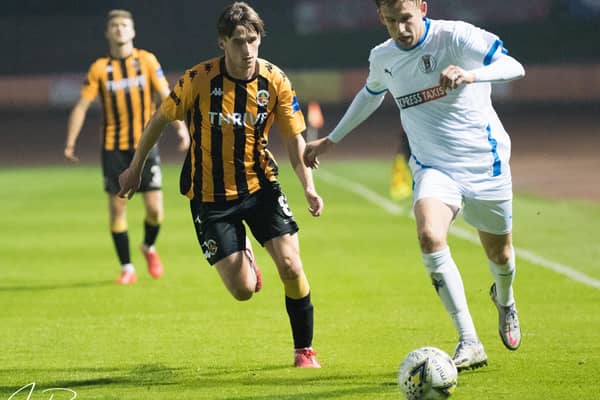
column 462, row 233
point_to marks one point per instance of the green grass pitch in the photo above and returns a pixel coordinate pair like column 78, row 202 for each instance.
column 65, row 324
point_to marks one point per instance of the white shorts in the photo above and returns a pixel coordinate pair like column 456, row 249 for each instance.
column 491, row 216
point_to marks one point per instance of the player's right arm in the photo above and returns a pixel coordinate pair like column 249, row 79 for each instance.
column 363, row 105
column 89, row 91
column 75, row 123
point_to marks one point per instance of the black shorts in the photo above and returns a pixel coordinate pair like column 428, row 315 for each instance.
column 220, row 229
column 116, row 161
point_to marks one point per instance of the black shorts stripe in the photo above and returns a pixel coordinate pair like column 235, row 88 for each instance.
column 239, row 133
column 216, row 106
column 125, row 75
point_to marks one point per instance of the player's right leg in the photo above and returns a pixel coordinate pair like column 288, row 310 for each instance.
column 222, row 236
column 437, row 200
column 120, row 236
column 113, row 163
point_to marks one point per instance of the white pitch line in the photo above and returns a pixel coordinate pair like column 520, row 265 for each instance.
column 395, row 209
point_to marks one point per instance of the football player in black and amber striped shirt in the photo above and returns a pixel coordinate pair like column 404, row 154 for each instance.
column 229, row 103
column 126, row 80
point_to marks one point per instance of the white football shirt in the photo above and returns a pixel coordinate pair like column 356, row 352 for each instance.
column 456, row 131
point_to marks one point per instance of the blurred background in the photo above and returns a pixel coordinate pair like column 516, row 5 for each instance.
column 552, row 114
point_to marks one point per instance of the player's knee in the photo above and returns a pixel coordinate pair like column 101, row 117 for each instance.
column 431, row 241
column 242, row 293
column 290, row 267
column 154, row 216
column 500, row 255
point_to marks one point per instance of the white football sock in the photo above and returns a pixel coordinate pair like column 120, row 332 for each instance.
column 127, row 268
column 504, row 275
column 449, row 286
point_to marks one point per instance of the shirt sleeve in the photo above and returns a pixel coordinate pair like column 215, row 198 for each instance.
column 174, row 107
column 288, row 112
column 375, row 85
column 157, row 76
column 477, row 44
column 91, row 85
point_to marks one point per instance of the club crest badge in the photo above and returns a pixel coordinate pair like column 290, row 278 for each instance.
column 427, row 64
column 262, row 98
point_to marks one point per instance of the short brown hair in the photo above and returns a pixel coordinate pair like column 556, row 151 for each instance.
column 239, row 13
column 391, row 3
column 118, row 14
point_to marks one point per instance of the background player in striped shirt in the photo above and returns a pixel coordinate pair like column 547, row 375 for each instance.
column 127, row 80
column 440, row 75
column 229, row 104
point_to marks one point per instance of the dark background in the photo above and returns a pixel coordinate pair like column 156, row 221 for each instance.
column 57, row 36
column 554, row 143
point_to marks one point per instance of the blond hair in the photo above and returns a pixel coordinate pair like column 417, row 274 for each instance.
column 118, row 14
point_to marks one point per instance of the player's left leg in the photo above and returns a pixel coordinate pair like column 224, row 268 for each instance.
column 501, row 256
column 153, row 203
column 285, row 252
column 493, row 220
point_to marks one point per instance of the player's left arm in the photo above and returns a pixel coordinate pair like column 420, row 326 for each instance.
column 505, row 68
column 295, row 147
column 475, row 45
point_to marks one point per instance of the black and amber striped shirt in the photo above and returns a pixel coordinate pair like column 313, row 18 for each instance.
column 229, row 122
column 126, row 87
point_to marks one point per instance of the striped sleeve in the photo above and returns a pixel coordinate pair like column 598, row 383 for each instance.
column 288, row 112
column 175, row 106
column 157, row 76
column 91, row 85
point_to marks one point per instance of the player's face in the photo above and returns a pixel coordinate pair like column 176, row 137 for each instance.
column 404, row 21
column 120, row 30
column 241, row 49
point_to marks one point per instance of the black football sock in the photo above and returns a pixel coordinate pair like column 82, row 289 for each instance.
column 121, row 241
column 150, row 233
column 301, row 313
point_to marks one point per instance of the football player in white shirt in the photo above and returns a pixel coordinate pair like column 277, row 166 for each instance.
column 440, row 75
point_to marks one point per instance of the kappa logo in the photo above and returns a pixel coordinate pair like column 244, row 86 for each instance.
column 387, row 71
column 217, row 92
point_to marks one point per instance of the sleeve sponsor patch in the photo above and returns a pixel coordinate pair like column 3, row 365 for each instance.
column 295, row 104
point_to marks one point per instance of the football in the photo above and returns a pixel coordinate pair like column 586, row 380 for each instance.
column 427, row 373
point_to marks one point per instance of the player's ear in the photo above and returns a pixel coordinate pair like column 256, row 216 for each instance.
column 423, row 8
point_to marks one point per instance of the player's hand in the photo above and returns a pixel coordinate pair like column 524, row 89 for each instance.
column 314, row 149
column 184, row 138
column 70, row 154
column 315, row 202
column 453, row 76
column 129, row 181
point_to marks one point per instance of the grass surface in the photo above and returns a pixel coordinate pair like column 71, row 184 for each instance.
column 65, row 324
